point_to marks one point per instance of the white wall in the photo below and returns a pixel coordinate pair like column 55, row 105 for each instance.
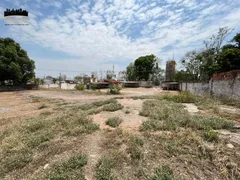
column 218, row 88
column 67, row 86
column 63, row 86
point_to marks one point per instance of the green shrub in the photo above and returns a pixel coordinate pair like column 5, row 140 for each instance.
column 127, row 112
column 112, row 107
column 80, row 87
column 210, row 135
column 114, row 121
column 93, row 87
column 114, row 89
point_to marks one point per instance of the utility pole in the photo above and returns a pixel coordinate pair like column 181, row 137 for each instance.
column 60, row 80
column 101, row 74
column 113, row 72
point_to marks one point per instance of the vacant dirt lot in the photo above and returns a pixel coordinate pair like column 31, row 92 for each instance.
column 140, row 134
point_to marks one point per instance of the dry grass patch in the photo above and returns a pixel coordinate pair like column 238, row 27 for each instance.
column 23, row 140
column 71, row 169
column 114, row 122
column 167, row 115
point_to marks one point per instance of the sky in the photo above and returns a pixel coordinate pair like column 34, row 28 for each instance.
column 83, row 36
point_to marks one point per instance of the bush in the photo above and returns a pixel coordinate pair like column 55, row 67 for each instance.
column 112, row 107
column 114, row 89
column 93, row 87
column 80, row 87
column 114, row 121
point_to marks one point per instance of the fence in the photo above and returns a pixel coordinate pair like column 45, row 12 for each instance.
column 225, row 85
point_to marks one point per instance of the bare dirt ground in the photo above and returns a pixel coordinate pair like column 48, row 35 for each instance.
column 129, row 114
column 17, row 106
column 98, row 95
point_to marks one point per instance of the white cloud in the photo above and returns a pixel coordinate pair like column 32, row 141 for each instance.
column 102, row 32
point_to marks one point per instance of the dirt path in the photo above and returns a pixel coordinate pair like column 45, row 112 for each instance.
column 129, row 114
column 92, row 147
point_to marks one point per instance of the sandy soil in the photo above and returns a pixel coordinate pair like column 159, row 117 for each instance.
column 131, row 120
column 78, row 95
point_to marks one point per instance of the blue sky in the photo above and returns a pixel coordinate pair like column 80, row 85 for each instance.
column 82, row 36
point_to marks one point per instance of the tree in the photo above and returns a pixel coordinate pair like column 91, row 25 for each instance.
column 213, row 47
column 78, row 79
column 236, row 40
column 192, row 63
column 157, row 75
column 110, row 75
column 183, row 76
column 144, row 66
column 15, row 65
column 201, row 65
column 41, row 81
column 229, row 58
column 122, row 75
column 131, row 73
column 54, row 80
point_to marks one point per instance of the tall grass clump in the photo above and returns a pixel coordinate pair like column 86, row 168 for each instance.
column 114, row 121
column 104, row 168
column 114, row 89
column 80, row 87
column 167, row 115
column 163, row 172
column 182, row 97
column 164, row 115
column 135, row 148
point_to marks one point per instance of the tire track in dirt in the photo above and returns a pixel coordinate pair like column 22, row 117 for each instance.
column 92, row 147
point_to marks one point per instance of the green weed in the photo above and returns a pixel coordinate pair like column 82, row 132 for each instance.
column 71, row 169
column 114, row 121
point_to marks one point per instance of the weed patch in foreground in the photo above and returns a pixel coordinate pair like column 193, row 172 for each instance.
column 14, row 159
column 210, row 135
column 71, row 169
column 112, row 107
column 42, row 106
column 104, row 168
column 166, row 115
column 114, row 122
column 76, row 124
column 135, row 148
column 163, row 172
column 183, row 97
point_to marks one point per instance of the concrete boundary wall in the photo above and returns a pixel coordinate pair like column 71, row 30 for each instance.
column 217, row 88
column 63, row 86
